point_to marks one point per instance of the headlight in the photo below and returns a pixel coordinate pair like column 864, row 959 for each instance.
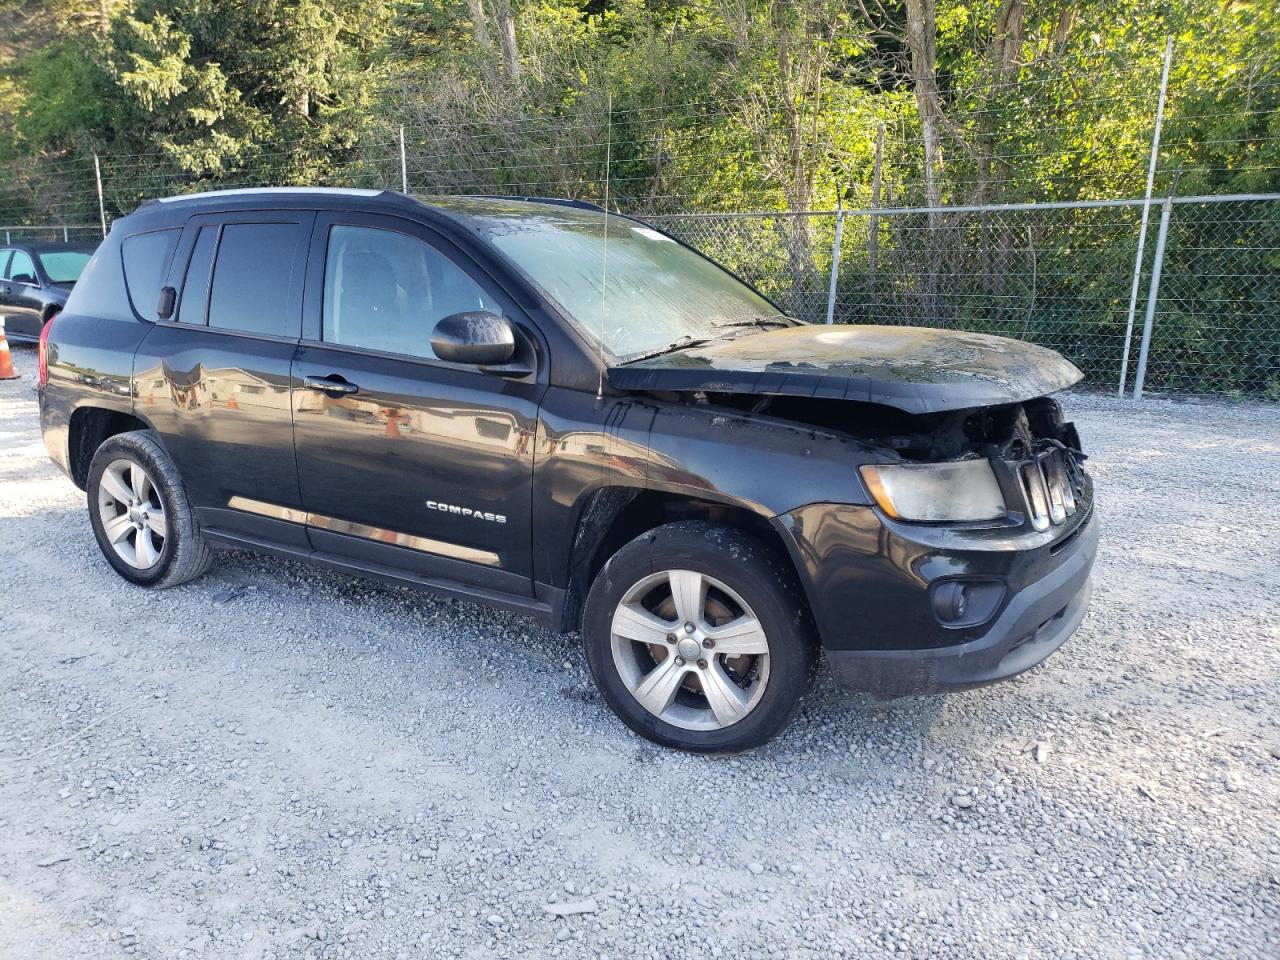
column 962, row 490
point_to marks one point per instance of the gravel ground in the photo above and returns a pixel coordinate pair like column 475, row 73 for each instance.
column 277, row 762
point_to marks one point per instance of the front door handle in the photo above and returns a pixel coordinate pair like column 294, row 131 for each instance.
column 332, row 385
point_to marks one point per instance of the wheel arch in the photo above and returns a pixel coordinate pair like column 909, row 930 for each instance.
column 88, row 428
column 614, row 516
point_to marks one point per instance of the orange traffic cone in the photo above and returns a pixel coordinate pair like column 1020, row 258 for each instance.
column 6, row 361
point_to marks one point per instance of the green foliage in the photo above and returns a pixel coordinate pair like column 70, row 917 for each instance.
column 699, row 105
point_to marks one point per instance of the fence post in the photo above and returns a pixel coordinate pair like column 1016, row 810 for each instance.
column 66, row 237
column 102, row 207
column 1146, row 211
column 873, row 238
column 1153, row 296
column 835, row 262
column 404, row 169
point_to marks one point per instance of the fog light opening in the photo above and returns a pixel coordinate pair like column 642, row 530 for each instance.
column 966, row 603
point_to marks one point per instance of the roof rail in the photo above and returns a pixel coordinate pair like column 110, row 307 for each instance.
column 262, row 191
column 555, row 201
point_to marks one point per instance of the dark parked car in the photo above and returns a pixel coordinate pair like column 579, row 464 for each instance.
column 452, row 396
column 35, row 281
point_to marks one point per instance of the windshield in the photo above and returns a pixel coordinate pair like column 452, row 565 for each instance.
column 657, row 293
column 63, row 266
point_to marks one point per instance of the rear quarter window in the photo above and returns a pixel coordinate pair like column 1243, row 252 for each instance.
column 146, row 261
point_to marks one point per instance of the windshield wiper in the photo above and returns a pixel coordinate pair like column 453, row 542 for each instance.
column 778, row 320
column 687, row 340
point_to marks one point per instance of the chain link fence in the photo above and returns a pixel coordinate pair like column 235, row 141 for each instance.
column 1058, row 274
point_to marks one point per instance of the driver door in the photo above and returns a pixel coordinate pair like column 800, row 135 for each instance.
column 407, row 461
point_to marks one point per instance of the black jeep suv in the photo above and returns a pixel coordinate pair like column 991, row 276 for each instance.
column 537, row 405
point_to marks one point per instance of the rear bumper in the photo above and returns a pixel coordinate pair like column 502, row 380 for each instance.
column 1036, row 621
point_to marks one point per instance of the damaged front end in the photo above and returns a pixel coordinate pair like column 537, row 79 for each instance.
column 1034, row 452
column 910, row 605
column 939, row 515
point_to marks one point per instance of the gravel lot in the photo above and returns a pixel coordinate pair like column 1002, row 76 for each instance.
column 278, row 762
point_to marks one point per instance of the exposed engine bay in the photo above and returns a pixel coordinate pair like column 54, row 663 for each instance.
column 1012, row 431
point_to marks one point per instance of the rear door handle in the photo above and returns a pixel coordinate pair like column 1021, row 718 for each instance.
column 332, row 384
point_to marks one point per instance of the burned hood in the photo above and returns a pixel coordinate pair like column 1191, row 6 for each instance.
column 916, row 369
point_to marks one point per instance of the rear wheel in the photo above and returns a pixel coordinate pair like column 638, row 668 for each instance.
column 140, row 514
column 698, row 637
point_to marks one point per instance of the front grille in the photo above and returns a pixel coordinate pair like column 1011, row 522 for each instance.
column 1052, row 484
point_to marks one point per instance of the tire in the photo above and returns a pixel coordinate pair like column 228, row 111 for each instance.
column 124, row 508
column 746, row 684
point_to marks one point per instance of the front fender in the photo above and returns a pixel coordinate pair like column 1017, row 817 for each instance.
column 763, row 465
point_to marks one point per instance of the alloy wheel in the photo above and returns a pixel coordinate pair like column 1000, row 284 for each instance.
column 132, row 513
column 690, row 650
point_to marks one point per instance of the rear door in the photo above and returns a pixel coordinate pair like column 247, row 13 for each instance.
column 215, row 379
column 417, row 464
column 4, row 286
column 20, row 299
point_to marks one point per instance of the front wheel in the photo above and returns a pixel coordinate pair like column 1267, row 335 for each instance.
column 699, row 638
column 140, row 514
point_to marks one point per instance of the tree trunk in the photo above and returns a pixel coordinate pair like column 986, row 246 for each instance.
column 796, row 182
column 922, row 34
column 480, row 30
column 1003, row 54
column 503, row 13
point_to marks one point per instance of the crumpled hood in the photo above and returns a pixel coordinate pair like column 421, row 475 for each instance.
column 916, row 369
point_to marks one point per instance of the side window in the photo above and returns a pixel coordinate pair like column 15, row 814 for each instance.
column 385, row 290
column 194, row 300
column 253, row 279
column 4, row 263
column 21, row 269
column 146, row 260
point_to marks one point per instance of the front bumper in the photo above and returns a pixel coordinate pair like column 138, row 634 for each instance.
column 1036, row 621
column 869, row 582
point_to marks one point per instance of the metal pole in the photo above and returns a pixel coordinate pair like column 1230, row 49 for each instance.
column 1153, row 296
column 66, row 238
column 1146, row 211
column 404, row 170
column 835, row 263
column 873, row 239
column 102, row 208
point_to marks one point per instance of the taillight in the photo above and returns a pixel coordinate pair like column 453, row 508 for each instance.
column 42, row 353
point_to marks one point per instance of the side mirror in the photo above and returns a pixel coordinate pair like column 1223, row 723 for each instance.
column 24, row 278
column 476, row 337
column 164, row 308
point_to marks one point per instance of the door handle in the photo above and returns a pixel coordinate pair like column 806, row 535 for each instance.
column 332, row 384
